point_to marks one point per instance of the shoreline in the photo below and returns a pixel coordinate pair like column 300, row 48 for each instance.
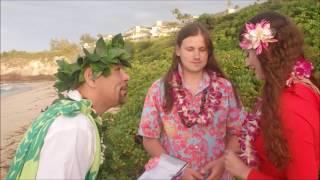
column 24, row 106
column 23, row 81
column 17, row 78
column 18, row 110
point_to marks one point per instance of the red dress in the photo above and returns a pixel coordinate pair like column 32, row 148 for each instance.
column 300, row 111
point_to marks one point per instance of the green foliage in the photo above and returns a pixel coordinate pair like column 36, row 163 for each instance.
column 155, row 50
column 208, row 20
column 70, row 76
column 67, row 76
column 232, row 63
column 125, row 156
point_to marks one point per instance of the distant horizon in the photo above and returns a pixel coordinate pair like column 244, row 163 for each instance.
column 31, row 25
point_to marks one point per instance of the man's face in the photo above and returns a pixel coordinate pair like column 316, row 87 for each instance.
column 113, row 88
column 193, row 54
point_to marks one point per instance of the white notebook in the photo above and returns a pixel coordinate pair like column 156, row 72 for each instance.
column 167, row 168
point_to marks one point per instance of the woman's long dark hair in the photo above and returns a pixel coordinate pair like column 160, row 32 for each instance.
column 277, row 62
column 191, row 29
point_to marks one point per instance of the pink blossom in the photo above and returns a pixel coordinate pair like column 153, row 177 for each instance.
column 302, row 69
column 257, row 36
column 250, row 128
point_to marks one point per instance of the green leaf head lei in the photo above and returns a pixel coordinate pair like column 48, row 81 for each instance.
column 104, row 56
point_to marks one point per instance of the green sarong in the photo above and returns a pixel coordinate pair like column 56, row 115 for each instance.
column 26, row 160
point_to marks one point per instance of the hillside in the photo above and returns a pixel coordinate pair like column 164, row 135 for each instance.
column 34, row 65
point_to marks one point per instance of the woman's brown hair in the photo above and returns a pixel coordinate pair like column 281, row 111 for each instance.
column 191, row 29
column 277, row 62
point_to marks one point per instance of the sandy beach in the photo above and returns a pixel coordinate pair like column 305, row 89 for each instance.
column 17, row 112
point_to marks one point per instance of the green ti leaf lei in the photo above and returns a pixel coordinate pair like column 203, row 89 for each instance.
column 106, row 54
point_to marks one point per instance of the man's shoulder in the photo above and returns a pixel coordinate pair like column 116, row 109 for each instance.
column 79, row 122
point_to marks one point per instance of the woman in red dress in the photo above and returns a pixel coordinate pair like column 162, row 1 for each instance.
column 280, row 139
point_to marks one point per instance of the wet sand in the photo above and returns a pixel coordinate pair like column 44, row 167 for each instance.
column 17, row 112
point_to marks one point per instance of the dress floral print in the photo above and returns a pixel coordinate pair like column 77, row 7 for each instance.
column 200, row 143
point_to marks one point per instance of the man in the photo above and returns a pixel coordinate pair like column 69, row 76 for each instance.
column 64, row 141
column 192, row 113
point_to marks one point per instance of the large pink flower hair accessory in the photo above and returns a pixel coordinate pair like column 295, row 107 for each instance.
column 257, row 36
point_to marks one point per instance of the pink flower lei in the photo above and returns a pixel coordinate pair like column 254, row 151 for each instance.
column 250, row 129
column 251, row 125
column 301, row 70
column 209, row 102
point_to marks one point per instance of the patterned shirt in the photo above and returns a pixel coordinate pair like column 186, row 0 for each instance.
column 199, row 144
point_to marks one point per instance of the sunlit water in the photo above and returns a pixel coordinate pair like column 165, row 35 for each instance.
column 13, row 88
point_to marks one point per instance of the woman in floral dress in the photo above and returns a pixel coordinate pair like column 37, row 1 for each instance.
column 193, row 112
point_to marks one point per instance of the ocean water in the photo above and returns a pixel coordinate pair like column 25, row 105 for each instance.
column 13, row 88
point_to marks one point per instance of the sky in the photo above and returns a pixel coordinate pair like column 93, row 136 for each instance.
column 29, row 25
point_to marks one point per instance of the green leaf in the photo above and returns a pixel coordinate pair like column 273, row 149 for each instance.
column 61, row 86
column 106, row 71
column 93, row 58
column 61, row 63
column 125, row 63
column 97, row 69
column 96, row 74
column 117, row 41
column 101, row 47
column 72, row 68
column 125, row 56
column 67, row 68
column 75, row 80
column 80, row 61
column 61, row 75
column 86, row 52
column 81, row 76
column 107, row 60
column 115, row 53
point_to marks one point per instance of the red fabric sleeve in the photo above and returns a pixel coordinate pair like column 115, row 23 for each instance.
column 300, row 115
column 255, row 174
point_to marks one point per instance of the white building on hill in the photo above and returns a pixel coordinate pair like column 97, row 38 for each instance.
column 160, row 29
column 138, row 33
